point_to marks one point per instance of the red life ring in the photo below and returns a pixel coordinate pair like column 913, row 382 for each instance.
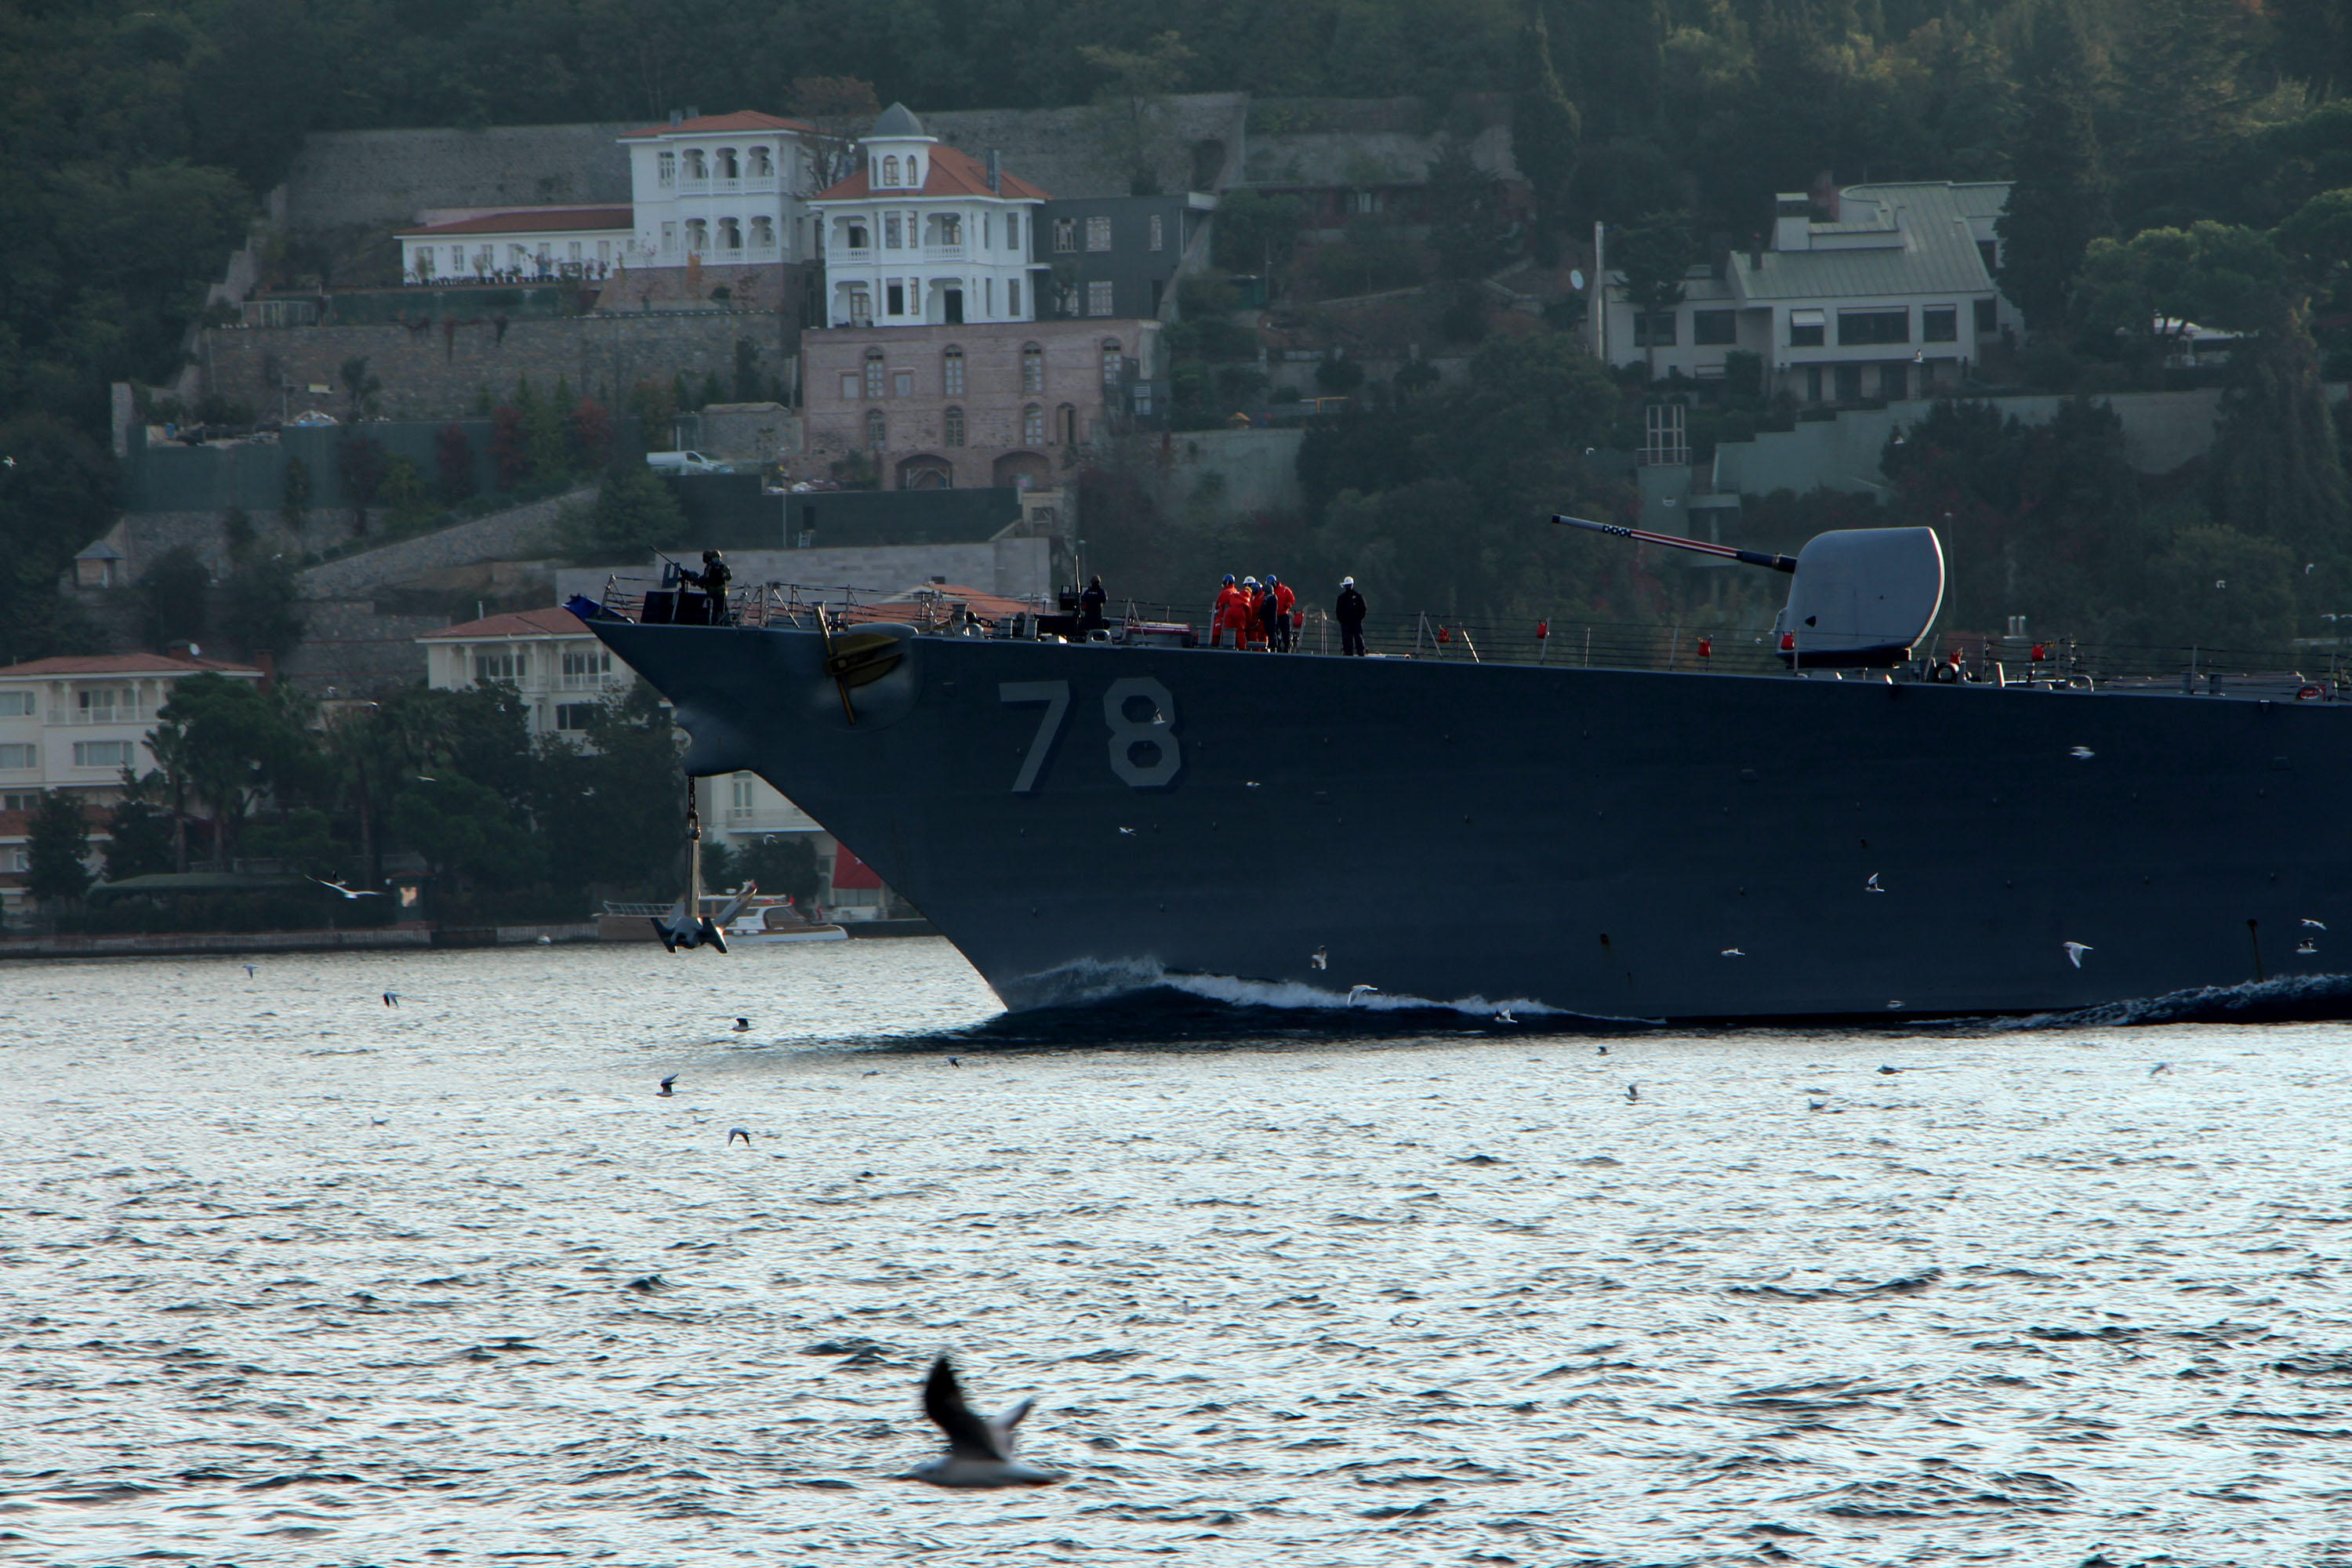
column 2307, row 693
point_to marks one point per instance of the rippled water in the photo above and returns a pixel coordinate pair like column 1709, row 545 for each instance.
column 293, row 1277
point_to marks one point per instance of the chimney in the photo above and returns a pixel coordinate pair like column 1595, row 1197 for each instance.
column 1824, row 193
column 995, row 174
column 1755, row 253
column 1792, row 221
column 267, row 662
column 692, row 112
column 676, row 115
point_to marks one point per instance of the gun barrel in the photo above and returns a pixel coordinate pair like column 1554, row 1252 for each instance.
column 1696, row 546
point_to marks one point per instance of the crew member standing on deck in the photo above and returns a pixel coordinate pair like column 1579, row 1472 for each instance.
column 1349, row 614
column 1280, row 622
column 1220, row 615
column 1090, row 607
column 1240, row 612
column 714, row 578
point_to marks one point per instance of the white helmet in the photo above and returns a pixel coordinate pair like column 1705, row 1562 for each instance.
column 1347, row 582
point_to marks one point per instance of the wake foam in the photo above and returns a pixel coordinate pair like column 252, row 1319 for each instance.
column 2290, row 999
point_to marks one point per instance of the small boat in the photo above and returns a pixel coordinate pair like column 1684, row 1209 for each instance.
column 771, row 924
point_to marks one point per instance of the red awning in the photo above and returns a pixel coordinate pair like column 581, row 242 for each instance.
column 849, row 871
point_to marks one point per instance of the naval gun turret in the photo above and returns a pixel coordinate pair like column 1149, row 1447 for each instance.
column 1862, row 597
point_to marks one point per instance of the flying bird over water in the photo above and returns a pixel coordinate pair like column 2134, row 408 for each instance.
column 1733, row 952
column 666, row 1089
column 1633, row 1092
column 980, row 1448
column 1358, row 992
column 392, row 998
column 735, row 1132
column 2082, row 754
column 742, row 1026
column 2161, row 1067
column 1128, row 831
column 1888, row 1072
column 1321, row 958
column 349, row 892
column 1872, row 885
column 249, row 972
column 2074, row 951
column 2315, row 925
column 1503, row 1016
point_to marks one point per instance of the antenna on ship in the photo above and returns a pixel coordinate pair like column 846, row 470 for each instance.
column 1696, row 546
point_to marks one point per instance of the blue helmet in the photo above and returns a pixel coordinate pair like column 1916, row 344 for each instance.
column 1229, row 579
column 1271, row 580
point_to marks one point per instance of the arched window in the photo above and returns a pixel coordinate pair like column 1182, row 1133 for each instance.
column 955, row 428
column 874, row 373
column 951, row 372
column 731, row 233
column 874, row 430
column 889, row 171
column 1110, row 361
column 1033, row 368
column 764, row 233
column 1033, row 425
column 728, row 168
column 853, row 235
column 697, row 236
column 694, row 167
column 762, row 166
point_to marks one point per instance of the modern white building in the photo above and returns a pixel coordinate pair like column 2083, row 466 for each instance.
column 1891, row 296
column 924, row 235
column 719, row 191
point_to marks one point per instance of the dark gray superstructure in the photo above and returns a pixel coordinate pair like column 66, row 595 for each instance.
column 1081, row 817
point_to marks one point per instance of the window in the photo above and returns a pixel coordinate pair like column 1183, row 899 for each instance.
column 102, row 754
column 1807, row 330
column 890, row 231
column 950, row 229
column 1110, row 363
column 95, row 707
column 1988, row 318
column 669, row 239
column 1098, row 234
column 902, row 384
column 762, row 166
column 573, row 717
column 861, row 306
column 764, row 233
column 731, row 233
column 1011, row 231
column 889, row 171
column 16, row 704
column 1989, row 252
column 1098, row 299
column 1654, row 329
column 1159, row 239
column 849, row 386
column 1813, row 383
column 1033, row 425
column 16, row 757
column 503, row 666
column 1012, row 297
column 697, row 236
column 1939, row 324
column 694, row 169
column 873, row 373
column 1894, row 382
column 666, row 169
column 894, row 298
column 575, row 250
column 955, row 428
column 854, row 236
column 1859, row 327
column 587, row 665
column 1033, row 368
column 1715, row 326
column 1849, row 384
column 15, row 857
column 739, row 795
column 876, row 430
column 728, row 168
column 1065, row 234
column 951, row 372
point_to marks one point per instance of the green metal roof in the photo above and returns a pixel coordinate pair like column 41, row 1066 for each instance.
column 1938, row 257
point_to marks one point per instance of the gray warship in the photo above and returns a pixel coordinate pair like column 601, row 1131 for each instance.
column 1855, row 833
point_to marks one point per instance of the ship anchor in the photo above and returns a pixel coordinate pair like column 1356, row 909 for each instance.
column 858, row 660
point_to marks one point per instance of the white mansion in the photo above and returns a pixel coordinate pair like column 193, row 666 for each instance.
column 923, row 234
column 717, row 190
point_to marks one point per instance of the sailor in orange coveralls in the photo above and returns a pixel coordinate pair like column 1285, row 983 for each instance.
column 1247, row 628
column 1220, row 615
column 1277, row 620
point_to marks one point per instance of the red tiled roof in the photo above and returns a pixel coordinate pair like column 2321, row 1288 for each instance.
column 531, row 220
column 951, row 173
column 712, row 124
column 124, row 663
column 518, row 623
column 982, row 602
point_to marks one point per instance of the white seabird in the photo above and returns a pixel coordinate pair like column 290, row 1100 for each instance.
column 666, row 1089
column 1872, row 885
column 979, row 1449
column 1358, row 992
column 1321, row 958
column 2082, row 754
column 2074, row 951
column 1733, row 952
column 2315, row 925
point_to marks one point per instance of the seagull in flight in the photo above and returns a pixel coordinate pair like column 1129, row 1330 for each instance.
column 350, row 893
column 735, row 1132
column 1633, row 1092
column 392, row 998
column 2161, row 1067
column 1503, row 1016
column 742, row 1026
column 2315, row 925
column 1128, row 831
column 1733, row 952
column 980, row 1448
column 2082, row 754
column 666, row 1091
column 1321, row 958
column 2074, row 951
column 1356, row 993
column 249, row 972
column 1872, row 885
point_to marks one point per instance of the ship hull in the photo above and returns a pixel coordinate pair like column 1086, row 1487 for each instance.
column 1078, row 819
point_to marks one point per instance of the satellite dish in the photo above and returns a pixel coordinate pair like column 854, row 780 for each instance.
column 1576, row 278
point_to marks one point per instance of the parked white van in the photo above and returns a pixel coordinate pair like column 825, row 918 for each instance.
column 684, row 463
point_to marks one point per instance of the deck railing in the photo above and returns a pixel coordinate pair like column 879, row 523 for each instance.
column 1696, row 648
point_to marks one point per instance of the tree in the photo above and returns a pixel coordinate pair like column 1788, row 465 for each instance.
column 591, row 435
column 2179, row 107
column 2058, row 204
column 360, row 387
column 297, row 496
column 1547, row 132
column 468, row 833
column 227, row 743
column 260, row 606
column 842, row 108
column 453, row 462
column 2152, row 288
column 57, row 495
column 1257, row 233
column 138, row 837
column 403, row 494
column 1652, row 257
column 546, row 442
column 360, row 464
column 509, row 451
column 2276, row 472
column 783, row 864
column 1140, row 79
column 633, row 515
column 747, row 371
column 1466, row 217
column 57, row 846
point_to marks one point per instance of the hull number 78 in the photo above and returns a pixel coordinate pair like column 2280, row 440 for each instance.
column 1144, row 753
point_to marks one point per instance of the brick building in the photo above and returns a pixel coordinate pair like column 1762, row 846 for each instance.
column 980, row 403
